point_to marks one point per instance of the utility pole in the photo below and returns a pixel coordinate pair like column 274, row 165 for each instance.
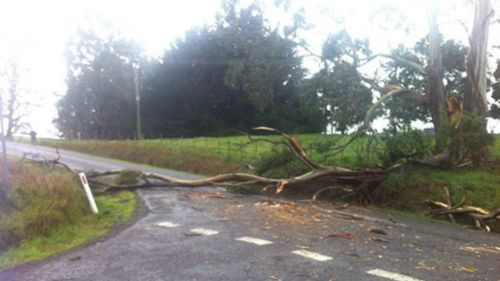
column 5, row 165
column 137, row 102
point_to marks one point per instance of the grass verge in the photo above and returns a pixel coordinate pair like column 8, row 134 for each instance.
column 51, row 215
column 407, row 190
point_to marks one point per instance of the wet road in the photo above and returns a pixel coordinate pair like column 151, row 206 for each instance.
column 208, row 234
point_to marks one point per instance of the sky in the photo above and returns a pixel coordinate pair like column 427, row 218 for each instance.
column 36, row 32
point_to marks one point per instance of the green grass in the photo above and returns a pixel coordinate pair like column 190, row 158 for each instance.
column 206, row 155
column 407, row 190
column 495, row 150
column 227, row 154
column 116, row 208
column 50, row 214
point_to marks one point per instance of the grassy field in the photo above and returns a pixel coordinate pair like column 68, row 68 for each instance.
column 220, row 153
column 51, row 215
column 213, row 155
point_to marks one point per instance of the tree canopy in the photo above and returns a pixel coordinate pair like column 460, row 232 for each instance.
column 242, row 72
column 217, row 80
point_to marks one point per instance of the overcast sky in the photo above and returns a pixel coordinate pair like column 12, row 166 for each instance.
column 35, row 32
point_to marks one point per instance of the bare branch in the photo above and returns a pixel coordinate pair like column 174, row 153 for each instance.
column 295, row 146
column 408, row 63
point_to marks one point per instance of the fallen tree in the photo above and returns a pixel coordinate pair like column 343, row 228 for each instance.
column 358, row 181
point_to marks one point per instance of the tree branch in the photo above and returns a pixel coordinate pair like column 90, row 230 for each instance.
column 408, row 63
column 295, row 146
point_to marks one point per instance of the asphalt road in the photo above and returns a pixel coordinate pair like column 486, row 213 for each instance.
column 207, row 234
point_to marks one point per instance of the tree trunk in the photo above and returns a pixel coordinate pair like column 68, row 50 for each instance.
column 13, row 104
column 435, row 88
column 475, row 100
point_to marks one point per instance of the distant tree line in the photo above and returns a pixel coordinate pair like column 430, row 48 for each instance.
column 240, row 72
column 217, row 80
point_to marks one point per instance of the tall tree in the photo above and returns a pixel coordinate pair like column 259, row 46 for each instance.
column 14, row 100
column 442, row 105
column 229, row 78
column 436, row 96
column 100, row 98
column 266, row 67
column 475, row 99
column 185, row 93
column 412, row 105
column 344, row 98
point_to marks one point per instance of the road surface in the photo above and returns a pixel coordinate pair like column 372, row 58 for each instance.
column 207, row 234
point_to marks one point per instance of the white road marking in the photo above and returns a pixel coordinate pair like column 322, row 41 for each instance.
column 167, row 224
column 204, row 231
column 312, row 255
column 391, row 275
column 255, row 241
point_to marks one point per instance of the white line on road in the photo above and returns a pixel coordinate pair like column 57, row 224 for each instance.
column 391, row 275
column 204, row 231
column 167, row 224
column 312, row 255
column 255, row 241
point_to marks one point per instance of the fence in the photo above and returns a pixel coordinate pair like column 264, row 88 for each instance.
column 236, row 148
column 242, row 149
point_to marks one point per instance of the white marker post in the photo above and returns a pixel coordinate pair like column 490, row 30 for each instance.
column 90, row 197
